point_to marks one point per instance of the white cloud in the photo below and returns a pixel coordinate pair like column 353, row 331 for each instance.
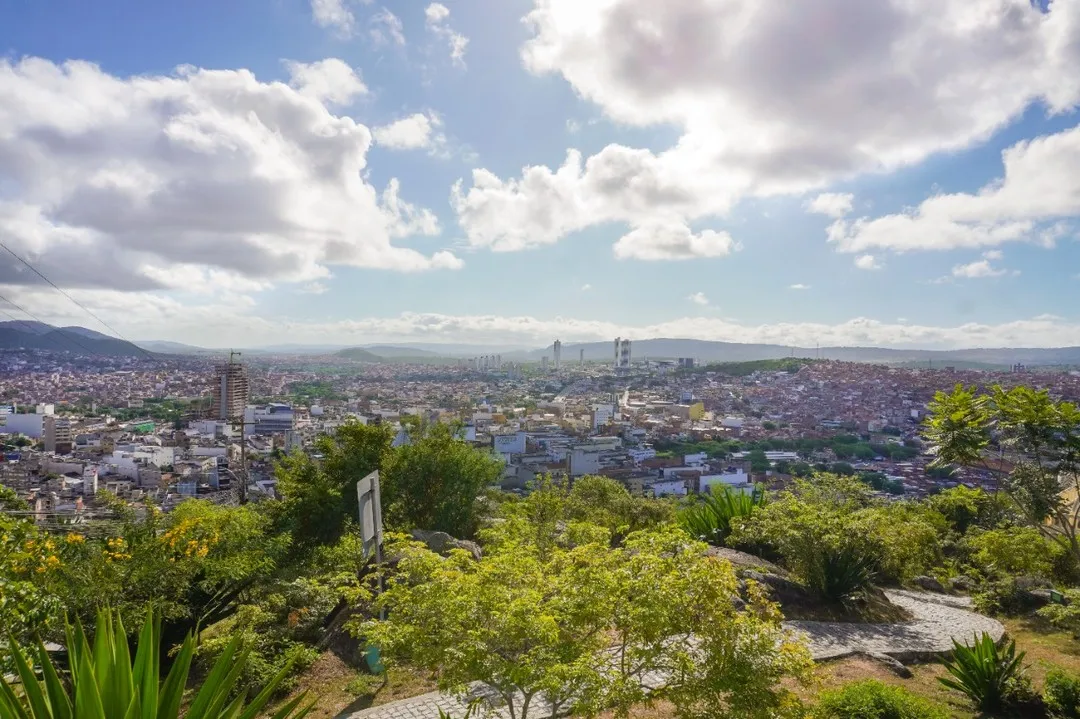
column 698, row 298
column 573, row 126
column 766, row 106
column 334, row 14
column 386, row 29
column 114, row 182
column 979, row 268
column 1039, row 192
column 314, row 288
column 586, row 287
column 832, row 204
column 798, row 286
column 437, row 15
column 867, row 262
column 410, row 133
column 672, row 242
column 329, row 81
column 231, row 321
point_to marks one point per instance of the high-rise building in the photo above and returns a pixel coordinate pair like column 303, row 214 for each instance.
column 622, row 354
column 230, row 391
column 58, row 437
column 581, row 357
column 557, row 352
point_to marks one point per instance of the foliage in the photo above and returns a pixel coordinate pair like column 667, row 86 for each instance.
column 1011, row 552
column 581, row 626
column 872, row 699
column 984, row 671
column 835, row 537
column 965, row 508
column 1061, row 694
column 710, row 520
column 1003, row 596
column 1065, row 616
column 1029, row 441
column 106, row 683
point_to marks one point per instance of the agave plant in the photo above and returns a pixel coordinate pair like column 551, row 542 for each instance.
column 105, row 684
column 838, row 573
column 984, row 672
column 711, row 520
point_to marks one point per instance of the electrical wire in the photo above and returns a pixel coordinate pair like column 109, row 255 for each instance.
column 75, row 301
column 49, row 335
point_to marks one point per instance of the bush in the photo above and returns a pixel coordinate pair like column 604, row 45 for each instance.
column 839, row 573
column 990, row 676
column 1061, row 694
column 1011, row 552
column 1004, row 596
column 1065, row 616
column 711, row 521
column 872, row 699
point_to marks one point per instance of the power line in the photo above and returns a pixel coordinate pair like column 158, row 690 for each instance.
column 71, row 336
column 80, row 304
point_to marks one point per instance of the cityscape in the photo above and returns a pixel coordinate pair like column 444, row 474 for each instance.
column 540, row 359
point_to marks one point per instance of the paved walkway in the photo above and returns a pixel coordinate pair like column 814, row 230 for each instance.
column 937, row 620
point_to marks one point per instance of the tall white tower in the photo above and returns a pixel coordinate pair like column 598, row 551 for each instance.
column 557, row 352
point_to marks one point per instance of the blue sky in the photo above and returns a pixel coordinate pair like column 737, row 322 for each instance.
column 792, row 176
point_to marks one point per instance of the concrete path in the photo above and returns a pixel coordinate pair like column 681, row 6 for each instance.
column 937, row 620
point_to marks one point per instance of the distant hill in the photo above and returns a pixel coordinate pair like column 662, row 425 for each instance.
column 706, row 351
column 360, row 355
column 77, row 340
column 393, row 351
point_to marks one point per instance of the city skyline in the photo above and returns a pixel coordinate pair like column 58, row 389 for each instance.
column 337, row 172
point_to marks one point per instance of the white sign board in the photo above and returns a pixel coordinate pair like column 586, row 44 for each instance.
column 367, row 494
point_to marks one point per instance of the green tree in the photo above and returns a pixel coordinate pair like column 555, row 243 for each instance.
column 433, row 482
column 578, row 629
column 758, row 461
column 1011, row 551
column 1024, row 438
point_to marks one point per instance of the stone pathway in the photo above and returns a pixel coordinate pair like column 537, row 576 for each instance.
column 938, row 619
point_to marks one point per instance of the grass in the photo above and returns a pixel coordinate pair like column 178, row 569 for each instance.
column 340, row 688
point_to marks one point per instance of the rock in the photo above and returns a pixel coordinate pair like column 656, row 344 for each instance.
column 738, row 603
column 1032, row 583
column 962, row 583
column 1037, row 597
column 782, row 590
column 442, row 543
column 742, row 560
column 928, row 583
column 890, row 663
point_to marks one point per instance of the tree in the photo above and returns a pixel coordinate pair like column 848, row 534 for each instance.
column 1024, row 438
column 581, row 629
column 758, row 461
column 433, row 482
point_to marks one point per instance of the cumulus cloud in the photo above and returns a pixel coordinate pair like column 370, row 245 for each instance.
column 672, row 242
column 981, row 268
column 1032, row 202
column 416, row 131
column 771, row 98
column 114, row 182
column 329, row 81
column 698, row 298
column 832, row 204
column 385, row 28
column 867, row 262
column 798, row 286
column 436, row 15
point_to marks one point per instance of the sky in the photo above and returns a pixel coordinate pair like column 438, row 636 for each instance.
column 900, row 173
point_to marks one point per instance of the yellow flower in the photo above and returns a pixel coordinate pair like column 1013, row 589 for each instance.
column 74, row 538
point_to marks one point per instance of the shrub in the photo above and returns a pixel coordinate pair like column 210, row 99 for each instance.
column 1061, row 694
column 711, row 521
column 839, row 573
column 105, row 683
column 1012, row 552
column 1065, row 616
column 872, row 699
column 1004, row 596
column 987, row 674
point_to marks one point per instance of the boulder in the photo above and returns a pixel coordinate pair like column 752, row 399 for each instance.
column 1037, row 597
column 1027, row 582
column 742, row 560
column 782, row 590
column 962, row 583
column 930, row 584
column 442, row 543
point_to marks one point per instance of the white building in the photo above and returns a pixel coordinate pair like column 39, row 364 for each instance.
column 32, row 425
column 269, row 419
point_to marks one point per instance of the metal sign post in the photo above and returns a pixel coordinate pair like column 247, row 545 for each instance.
column 370, row 516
